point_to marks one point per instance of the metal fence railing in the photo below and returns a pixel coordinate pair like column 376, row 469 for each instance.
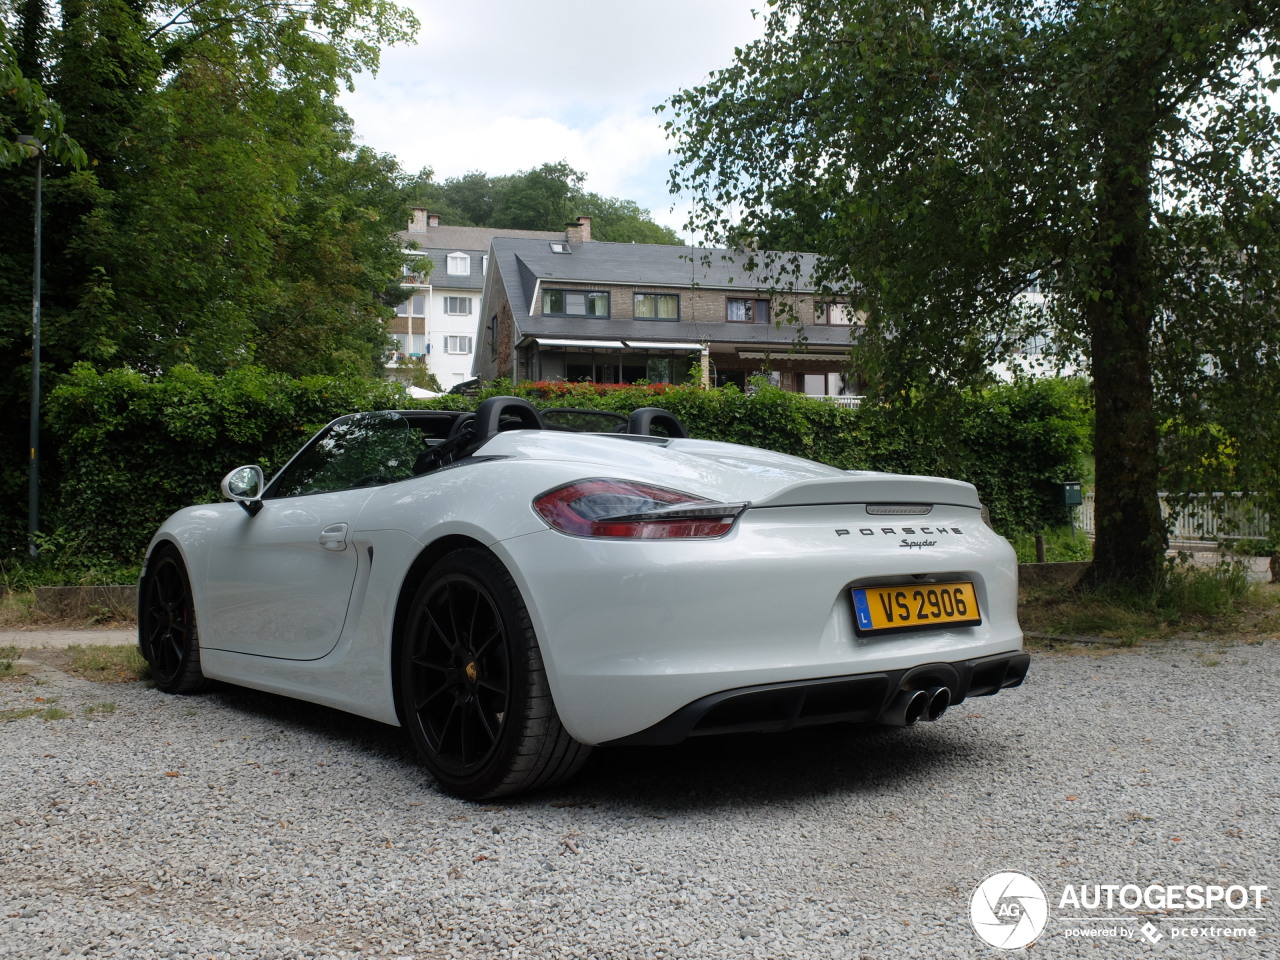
column 1219, row 516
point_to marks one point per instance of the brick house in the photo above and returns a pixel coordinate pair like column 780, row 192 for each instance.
column 577, row 309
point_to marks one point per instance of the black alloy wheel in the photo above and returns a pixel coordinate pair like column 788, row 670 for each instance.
column 473, row 689
column 167, row 633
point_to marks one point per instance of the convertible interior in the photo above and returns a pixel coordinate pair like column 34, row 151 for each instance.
column 370, row 449
column 449, row 435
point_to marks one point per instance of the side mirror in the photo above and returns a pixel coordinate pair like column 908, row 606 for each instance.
column 245, row 486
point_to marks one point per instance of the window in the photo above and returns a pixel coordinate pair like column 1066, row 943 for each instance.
column 415, row 306
column 458, row 264
column 747, row 311
column 827, row 384
column 836, row 314
column 358, row 450
column 575, row 303
column 658, row 370
column 457, row 344
column 839, row 314
column 560, row 248
column 457, row 306
column 657, row 306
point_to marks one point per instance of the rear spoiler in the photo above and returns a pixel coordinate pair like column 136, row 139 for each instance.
column 867, row 487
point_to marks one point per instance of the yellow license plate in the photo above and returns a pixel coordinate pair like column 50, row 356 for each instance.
column 912, row 606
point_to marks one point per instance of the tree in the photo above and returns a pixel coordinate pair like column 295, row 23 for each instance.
column 539, row 199
column 544, row 198
column 224, row 199
column 621, row 221
column 943, row 157
column 25, row 110
column 259, row 232
column 223, row 214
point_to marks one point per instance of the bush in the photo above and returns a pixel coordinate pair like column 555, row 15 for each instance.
column 130, row 449
column 1016, row 443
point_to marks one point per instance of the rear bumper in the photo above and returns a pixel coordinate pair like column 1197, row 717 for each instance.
column 854, row 699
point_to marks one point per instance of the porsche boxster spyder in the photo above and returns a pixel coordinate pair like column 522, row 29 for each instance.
column 515, row 591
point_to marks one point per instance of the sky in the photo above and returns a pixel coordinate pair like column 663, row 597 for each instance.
column 508, row 85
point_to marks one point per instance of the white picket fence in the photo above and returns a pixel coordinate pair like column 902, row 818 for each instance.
column 850, row 402
column 1220, row 516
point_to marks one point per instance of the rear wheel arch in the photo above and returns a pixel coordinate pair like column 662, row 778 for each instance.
column 523, row 745
column 425, row 560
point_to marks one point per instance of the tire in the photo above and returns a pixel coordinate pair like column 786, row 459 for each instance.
column 473, row 688
column 167, row 633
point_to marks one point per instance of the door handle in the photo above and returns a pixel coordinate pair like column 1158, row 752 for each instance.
column 334, row 536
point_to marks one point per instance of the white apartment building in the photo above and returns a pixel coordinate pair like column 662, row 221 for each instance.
column 436, row 325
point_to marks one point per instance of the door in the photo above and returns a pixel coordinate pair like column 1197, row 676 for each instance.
column 279, row 582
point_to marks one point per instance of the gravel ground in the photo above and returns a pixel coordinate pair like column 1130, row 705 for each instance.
column 237, row 824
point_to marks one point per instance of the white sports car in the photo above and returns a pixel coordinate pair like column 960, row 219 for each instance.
column 515, row 592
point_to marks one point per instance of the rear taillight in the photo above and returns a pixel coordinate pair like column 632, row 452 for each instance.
column 624, row 509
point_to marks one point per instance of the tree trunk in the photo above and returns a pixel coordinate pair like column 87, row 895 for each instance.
column 1131, row 538
column 33, row 22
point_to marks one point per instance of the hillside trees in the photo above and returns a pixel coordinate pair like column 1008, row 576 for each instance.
column 543, row 198
column 1124, row 157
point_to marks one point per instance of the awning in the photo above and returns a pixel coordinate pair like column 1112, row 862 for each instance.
column 788, row 353
column 582, row 344
column 647, row 345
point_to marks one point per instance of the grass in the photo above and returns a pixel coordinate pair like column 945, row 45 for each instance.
column 18, row 612
column 63, row 563
column 99, row 662
column 19, row 713
column 107, row 663
column 1061, row 545
column 1189, row 600
column 49, row 711
column 17, row 608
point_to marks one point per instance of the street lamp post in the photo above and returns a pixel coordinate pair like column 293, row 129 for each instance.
column 33, row 466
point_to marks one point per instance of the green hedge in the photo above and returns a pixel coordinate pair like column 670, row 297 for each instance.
column 1016, row 443
column 129, row 449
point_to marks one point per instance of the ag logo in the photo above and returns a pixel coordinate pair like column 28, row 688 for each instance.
column 1008, row 910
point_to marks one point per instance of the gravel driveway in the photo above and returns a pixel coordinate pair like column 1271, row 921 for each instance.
column 237, row 824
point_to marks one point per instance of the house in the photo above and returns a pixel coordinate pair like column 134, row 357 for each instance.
column 435, row 326
column 575, row 309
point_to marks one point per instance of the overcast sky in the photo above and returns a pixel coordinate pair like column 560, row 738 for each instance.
column 508, row 85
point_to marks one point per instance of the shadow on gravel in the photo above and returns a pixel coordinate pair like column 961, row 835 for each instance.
column 763, row 769
column 341, row 729
column 700, row 774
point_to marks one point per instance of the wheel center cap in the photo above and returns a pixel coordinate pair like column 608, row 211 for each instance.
column 473, row 672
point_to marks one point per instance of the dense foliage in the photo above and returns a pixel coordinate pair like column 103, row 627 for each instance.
column 25, row 110
column 1016, row 443
column 204, row 199
column 133, row 448
column 545, row 198
column 1120, row 156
